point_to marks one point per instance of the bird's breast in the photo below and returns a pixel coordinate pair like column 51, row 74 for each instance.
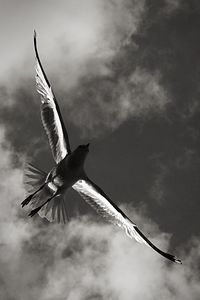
column 67, row 173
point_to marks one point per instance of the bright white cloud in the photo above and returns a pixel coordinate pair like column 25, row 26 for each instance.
column 78, row 44
column 71, row 34
column 91, row 33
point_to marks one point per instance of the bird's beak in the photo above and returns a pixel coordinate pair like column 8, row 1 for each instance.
column 87, row 145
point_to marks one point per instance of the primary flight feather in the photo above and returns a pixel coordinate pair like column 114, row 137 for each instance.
column 46, row 191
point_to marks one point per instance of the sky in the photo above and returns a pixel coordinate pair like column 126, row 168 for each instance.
column 126, row 75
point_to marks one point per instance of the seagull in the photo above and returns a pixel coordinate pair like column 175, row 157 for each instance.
column 46, row 191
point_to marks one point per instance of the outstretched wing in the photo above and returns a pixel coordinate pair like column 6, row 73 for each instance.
column 94, row 196
column 50, row 113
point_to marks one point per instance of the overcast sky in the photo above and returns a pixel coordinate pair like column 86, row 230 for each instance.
column 126, row 75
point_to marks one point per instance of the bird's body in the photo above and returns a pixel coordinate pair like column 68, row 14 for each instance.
column 68, row 171
column 46, row 192
column 60, row 178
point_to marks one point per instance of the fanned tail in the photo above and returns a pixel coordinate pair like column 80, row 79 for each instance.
column 34, row 178
column 38, row 192
column 34, row 182
column 55, row 210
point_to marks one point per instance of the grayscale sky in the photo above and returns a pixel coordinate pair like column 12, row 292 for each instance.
column 126, row 74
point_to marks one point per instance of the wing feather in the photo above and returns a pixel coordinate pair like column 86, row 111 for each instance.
column 50, row 113
column 95, row 197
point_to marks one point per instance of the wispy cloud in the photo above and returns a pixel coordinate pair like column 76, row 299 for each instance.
column 82, row 37
column 93, row 33
column 172, row 5
column 103, row 104
column 90, row 62
column 158, row 188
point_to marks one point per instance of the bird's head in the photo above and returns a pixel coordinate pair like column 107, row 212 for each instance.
column 82, row 150
column 78, row 156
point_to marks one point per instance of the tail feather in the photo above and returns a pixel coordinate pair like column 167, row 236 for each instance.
column 34, row 211
column 41, row 197
column 33, row 178
column 55, row 210
column 38, row 193
column 30, row 197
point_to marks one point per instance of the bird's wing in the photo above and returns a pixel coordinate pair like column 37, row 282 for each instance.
column 50, row 113
column 94, row 196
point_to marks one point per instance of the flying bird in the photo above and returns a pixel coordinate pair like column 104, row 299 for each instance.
column 46, row 192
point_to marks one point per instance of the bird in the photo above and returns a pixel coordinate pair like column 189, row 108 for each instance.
column 46, row 191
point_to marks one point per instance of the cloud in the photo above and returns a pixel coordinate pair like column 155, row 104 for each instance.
column 188, row 159
column 158, row 188
column 86, row 259
column 81, row 36
column 93, row 33
column 191, row 109
column 86, row 60
column 101, row 104
column 91, row 64
column 104, row 85
column 172, row 5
